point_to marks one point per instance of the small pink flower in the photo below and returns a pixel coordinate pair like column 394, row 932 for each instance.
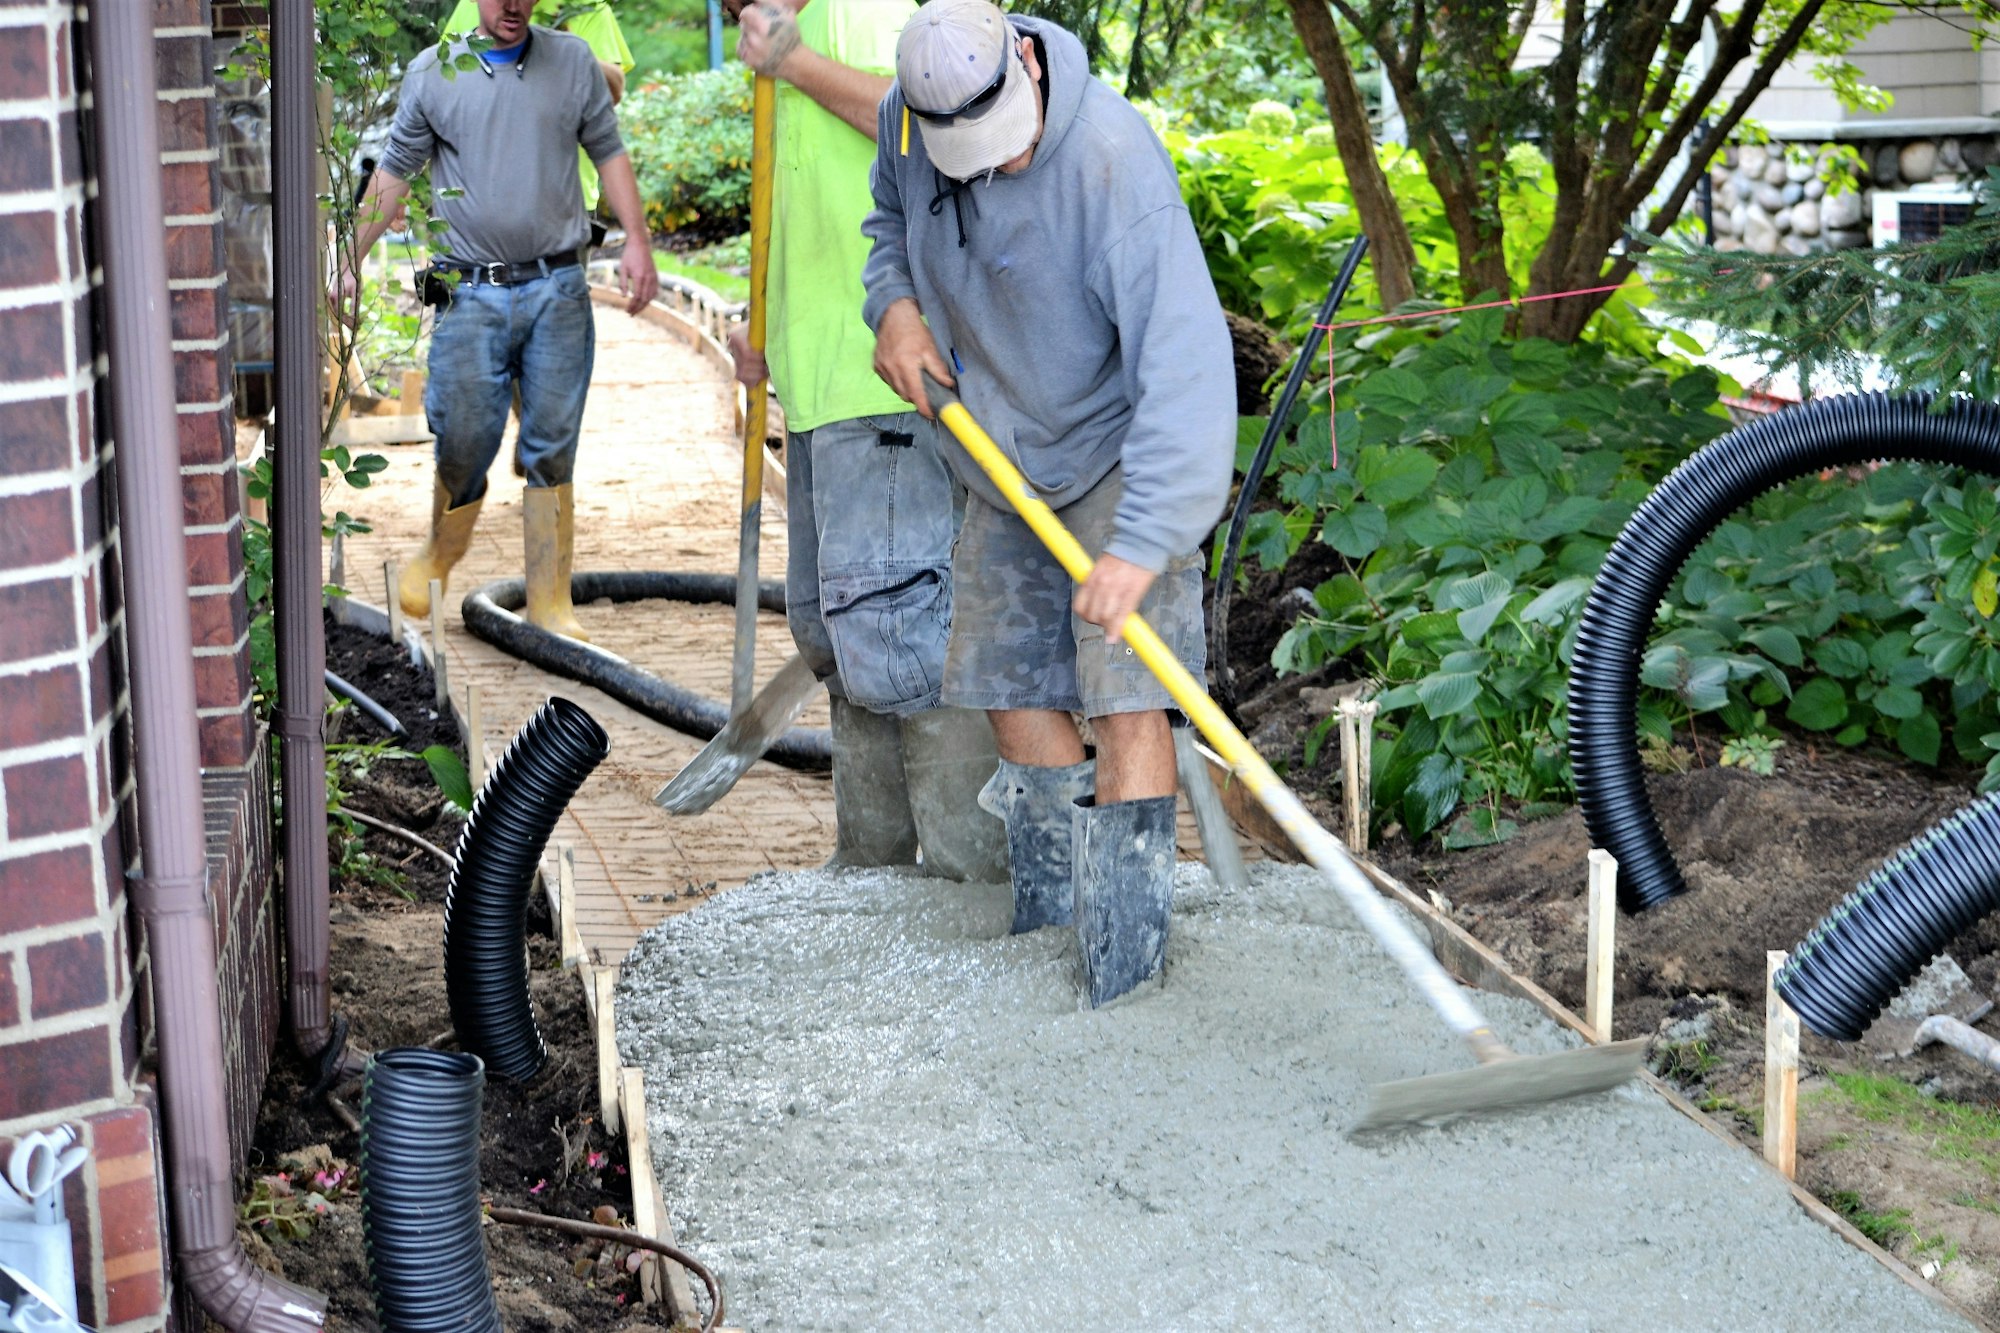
column 619, row 1169
column 538, row 1187
column 597, row 1159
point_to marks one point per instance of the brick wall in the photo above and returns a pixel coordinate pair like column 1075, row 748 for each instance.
column 71, row 973
column 68, row 1041
column 75, row 1015
column 211, row 497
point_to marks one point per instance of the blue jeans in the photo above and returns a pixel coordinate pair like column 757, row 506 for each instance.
column 537, row 333
column 872, row 511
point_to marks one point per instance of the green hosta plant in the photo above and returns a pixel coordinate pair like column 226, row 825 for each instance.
column 1478, row 487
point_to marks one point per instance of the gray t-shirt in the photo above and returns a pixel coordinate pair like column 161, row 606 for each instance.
column 508, row 141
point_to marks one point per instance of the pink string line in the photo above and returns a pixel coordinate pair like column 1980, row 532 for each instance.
column 1333, row 407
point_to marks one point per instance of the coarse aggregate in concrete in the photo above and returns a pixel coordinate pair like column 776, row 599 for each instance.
column 872, row 1108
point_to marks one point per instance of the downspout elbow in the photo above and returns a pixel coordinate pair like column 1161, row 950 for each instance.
column 244, row 1298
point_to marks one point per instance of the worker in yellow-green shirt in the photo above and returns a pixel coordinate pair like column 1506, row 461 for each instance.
column 591, row 20
column 871, row 507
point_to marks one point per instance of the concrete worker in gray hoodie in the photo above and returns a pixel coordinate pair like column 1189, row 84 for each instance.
column 1030, row 247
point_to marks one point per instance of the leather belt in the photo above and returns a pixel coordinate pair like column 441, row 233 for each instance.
column 502, row 275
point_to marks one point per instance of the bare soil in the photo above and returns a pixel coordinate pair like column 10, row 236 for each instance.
column 542, row 1147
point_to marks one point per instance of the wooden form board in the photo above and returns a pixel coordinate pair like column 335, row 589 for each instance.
column 1479, row 966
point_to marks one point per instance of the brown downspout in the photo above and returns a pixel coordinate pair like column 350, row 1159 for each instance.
column 296, row 584
column 171, row 888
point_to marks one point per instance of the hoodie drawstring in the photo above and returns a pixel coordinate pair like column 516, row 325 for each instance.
column 953, row 190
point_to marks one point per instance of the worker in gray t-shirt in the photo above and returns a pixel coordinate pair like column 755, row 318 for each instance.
column 501, row 141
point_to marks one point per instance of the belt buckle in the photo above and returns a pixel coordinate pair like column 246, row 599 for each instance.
column 495, row 274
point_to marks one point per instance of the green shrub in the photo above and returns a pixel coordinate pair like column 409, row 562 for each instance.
column 1271, row 118
column 689, row 135
column 1479, row 487
column 1275, row 214
column 1480, row 484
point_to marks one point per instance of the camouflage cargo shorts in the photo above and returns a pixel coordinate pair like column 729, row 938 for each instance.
column 1016, row 644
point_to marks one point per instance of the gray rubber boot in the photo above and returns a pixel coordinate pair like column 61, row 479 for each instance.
column 1037, row 805
column 872, row 824
column 1124, row 892
column 948, row 756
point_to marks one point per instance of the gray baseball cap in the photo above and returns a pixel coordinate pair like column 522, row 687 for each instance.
column 959, row 66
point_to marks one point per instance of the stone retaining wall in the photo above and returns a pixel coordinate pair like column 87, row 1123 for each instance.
column 1773, row 198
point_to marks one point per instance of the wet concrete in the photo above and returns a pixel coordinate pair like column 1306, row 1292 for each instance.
column 873, row 1109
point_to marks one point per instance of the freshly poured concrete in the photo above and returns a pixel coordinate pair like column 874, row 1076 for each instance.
column 873, row 1109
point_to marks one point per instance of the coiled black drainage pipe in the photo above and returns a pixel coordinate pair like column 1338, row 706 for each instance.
column 486, row 902
column 1678, row 516
column 490, row 615
column 1864, row 951
column 420, row 1213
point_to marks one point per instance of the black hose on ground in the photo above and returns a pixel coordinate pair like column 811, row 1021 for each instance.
column 420, row 1213
column 1864, row 951
column 383, row 717
column 490, row 615
column 1253, row 477
column 486, row 901
column 1678, row 516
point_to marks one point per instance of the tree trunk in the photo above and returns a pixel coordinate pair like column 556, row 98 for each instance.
column 1389, row 247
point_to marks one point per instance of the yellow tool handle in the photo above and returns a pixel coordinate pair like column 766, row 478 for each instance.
column 757, row 405
column 1320, row 847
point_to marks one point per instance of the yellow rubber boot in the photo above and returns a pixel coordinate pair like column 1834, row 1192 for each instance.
column 451, row 534
column 548, row 536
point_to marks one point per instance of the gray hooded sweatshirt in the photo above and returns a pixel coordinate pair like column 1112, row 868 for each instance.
column 1074, row 304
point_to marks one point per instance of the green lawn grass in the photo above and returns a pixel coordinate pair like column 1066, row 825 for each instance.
column 729, row 286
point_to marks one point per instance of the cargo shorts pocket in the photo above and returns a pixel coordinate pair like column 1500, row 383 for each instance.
column 889, row 628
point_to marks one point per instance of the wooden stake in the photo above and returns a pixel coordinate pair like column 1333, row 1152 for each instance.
column 605, row 979
column 1781, row 1073
column 649, row 1211
column 437, row 644
column 413, row 393
column 566, row 931
column 392, row 578
column 1600, row 967
column 1357, row 742
column 475, row 737
column 336, row 570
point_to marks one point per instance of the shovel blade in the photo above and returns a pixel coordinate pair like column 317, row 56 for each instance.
column 710, row 774
column 1504, row 1085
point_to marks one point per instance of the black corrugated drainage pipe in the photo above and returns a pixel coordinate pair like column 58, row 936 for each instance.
column 489, row 614
column 1678, row 516
column 171, row 888
column 296, row 583
column 421, row 1223
column 1863, row 952
column 486, row 902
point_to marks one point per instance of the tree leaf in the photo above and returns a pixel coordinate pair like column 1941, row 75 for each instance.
column 1356, row 531
column 1919, row 736
column 448, row 771
column 1401, row 393
column 1818, row 705
column 1391, row 476
column 1777, row 643
column 1447, row 693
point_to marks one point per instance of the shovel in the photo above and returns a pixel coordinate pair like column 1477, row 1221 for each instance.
column 711, row 773
column 757, row 402
column 1501, row 1080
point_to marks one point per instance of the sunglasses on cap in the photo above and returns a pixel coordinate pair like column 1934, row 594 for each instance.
column 973, row 107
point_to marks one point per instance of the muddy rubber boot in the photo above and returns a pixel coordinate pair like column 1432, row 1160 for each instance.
column 1037, row 805
column 451, row 534
column 872, row 823
column 548, row 518
column 948, row 756
column 1124, row 892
